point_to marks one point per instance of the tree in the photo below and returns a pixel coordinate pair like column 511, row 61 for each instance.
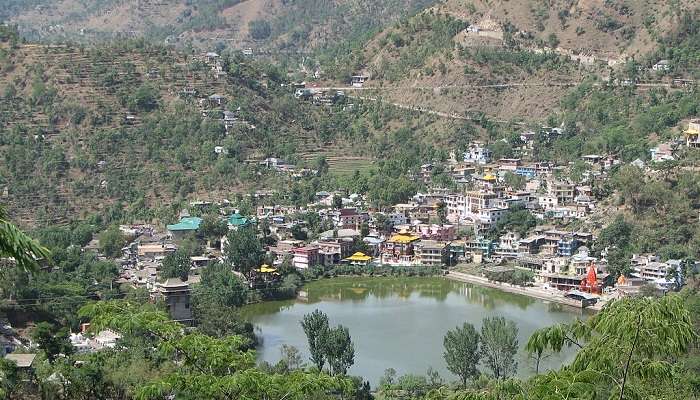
column 243, row 250
column 633, row 340
column 215, row 301
column 364, row 230
column 259, row 29
column 337, row 202
column 176, row 265
column 499, row 345
column 462, row 351
column 9, row 378
column 212, row 228
column 291, row 357
column 17, row 245
column 112, row 241
column 51, row 340
column 339, row 350
column 514, row 181
column 207, row 367
column 316, row 328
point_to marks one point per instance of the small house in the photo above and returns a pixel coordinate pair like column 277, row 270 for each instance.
column 186, row 226
column 358, row 80
column 662, row 65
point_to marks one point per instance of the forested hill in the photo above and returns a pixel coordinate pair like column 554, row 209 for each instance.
column 120, row 130
column 270, row 24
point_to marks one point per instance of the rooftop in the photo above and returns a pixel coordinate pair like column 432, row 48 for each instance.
column 186, row 224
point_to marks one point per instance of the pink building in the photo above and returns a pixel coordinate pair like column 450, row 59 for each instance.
column 305, row 257
column 436, row 232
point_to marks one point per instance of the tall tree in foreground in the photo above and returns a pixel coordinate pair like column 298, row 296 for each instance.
column 243, row 250
column 339, row 350
column 17, row 245
column 462, row 352
column 627, row 349
column 316, row 328
column 499, row 345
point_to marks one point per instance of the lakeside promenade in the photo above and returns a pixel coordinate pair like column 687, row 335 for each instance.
column 538, row 293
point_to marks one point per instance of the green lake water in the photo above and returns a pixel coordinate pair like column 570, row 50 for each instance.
column 400, row 322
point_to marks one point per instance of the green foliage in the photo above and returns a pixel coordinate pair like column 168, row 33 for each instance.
column 215, row 301
column 243, row 250
column 176, row 265
column 630, row 343
column 259, row 29
column 112, row 241
column 51, row 340
column 339, row 350
column 207, row 367
column 462, row 352
column 498, row 346
column 14, row 243
column 316, row 328
column 145, row 98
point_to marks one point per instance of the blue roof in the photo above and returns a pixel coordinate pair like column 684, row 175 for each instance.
column 186, row 224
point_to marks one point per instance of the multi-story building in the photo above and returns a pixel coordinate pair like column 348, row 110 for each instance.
column 305, row 257
column 564, row 192
column 349, row 218
column 332, row 251
column 477, row 154
column 650, row 267
column 692, row 134
column 176, row 295
column 432, row 253
column 442, row 232
column 399, row 249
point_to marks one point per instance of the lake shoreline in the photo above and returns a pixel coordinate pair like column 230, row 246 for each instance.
column 533, row 292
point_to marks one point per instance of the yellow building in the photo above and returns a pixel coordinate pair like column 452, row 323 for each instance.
column 692, row 134
column 359, row 258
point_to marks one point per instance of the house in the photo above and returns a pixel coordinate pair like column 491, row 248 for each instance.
column 528, row 171
column 432, row 253
column 152, row 251
column 399, row 249
column 564, row 192
column 692, row 134
column 333, row 251
column 24, row 362
column 216, row 99
column 662, row 152
column 176, row 295
column 358, row 80
column 662, row 65
column 236, row 221
column 358, row 258
column 477, row 154
column 638, row 163
column 527, row 136
column 349, row 218
column 441, row 232
column 186, row 226
column 212, row 57
column 305, row 257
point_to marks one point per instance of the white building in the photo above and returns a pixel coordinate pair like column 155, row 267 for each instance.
column 477, row 154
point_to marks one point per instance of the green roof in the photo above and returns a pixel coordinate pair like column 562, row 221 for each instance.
column 186, row 224
column 238, row 220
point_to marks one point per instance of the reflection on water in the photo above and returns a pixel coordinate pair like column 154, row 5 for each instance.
column 400, row 322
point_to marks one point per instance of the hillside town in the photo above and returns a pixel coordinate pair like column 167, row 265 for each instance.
column 468, row 233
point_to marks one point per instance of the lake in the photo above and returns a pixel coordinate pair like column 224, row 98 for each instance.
column 400, row 322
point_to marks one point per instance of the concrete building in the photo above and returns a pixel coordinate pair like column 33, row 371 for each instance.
column 176, row 295
column 305, row 257
column 432, row 253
